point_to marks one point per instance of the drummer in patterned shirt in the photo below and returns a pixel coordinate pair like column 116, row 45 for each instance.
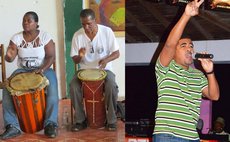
column 180, row 87
column 35, row 52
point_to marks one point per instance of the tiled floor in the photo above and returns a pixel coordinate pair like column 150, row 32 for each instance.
column 65, row 135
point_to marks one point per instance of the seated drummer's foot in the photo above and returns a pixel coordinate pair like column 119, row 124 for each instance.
column 79, row 126
column 111, row 127
column 10, row 132
column 51, row 130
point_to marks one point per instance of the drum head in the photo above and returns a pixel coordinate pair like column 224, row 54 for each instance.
column 26, row 81
column 91, row 74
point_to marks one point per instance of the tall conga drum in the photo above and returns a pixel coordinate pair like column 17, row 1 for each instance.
column 93, row 89
column 27, row 90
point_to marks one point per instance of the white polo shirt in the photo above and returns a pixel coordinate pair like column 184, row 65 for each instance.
column 103, row 44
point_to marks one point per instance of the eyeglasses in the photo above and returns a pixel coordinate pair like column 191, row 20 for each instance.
column 91, row 49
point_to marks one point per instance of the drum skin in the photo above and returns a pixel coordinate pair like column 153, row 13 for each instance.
column 94, row 98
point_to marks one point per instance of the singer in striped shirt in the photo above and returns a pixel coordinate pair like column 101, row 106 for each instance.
column 181, row 87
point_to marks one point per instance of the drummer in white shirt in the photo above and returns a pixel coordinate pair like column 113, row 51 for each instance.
column 94, row 46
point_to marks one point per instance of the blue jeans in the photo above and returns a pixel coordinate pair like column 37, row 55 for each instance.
column 170, row 138
column 51, row 113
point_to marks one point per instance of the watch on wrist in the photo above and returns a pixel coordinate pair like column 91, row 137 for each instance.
column 211, row 72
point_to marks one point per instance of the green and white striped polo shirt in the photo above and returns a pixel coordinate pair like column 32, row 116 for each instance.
column 179, row 99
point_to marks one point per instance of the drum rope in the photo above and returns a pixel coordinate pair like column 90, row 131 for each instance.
column 91, row 89
column 93, row 101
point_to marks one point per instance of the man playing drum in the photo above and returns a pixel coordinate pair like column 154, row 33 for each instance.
column 36, row 53
column 94, row 46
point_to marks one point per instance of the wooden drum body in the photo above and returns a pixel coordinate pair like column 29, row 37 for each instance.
column 27, row 90
column 93, row 89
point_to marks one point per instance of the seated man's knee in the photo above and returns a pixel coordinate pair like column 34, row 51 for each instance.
column 74, row 82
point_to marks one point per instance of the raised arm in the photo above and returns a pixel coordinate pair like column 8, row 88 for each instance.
column 77, row 58
column 11, row 52
column 169, row 48
column 212, row 91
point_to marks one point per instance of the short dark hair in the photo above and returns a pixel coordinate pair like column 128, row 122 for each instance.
column 34, row 15
column 185, row 35
column 87, row 13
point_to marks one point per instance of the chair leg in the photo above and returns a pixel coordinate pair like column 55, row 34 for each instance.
column 71, row 106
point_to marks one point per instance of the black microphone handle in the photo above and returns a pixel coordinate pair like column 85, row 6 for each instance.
column 207, row 56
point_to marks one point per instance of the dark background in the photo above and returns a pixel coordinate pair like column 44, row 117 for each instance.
column 222, row 106
column 141, row 96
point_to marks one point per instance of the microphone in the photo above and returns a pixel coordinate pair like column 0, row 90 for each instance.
column 207, row 56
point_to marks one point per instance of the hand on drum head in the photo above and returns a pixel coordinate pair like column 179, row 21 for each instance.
column 102, row 64
column 39, row 71
column 82, row 52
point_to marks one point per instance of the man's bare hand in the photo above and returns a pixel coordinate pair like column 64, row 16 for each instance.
column 192, row 8
column 82, row 52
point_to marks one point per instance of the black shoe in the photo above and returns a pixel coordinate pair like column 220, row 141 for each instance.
column 111, row 127
column 10, row 132
column 51, row 130
column 79, row 126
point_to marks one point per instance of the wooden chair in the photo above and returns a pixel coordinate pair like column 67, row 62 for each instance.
column 3, row 66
